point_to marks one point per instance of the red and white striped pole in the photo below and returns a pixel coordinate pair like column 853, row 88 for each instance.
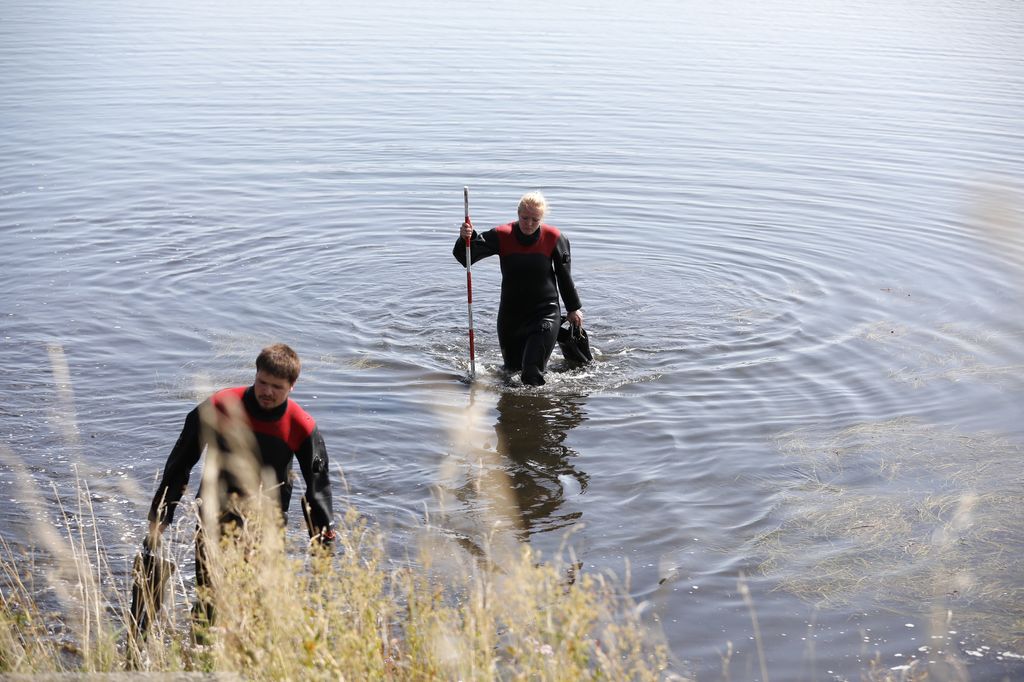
column 469, row 290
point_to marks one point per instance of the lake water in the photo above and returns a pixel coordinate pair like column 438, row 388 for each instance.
column 796, row 231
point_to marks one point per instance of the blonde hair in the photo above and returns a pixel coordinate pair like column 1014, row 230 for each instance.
column 535, row 199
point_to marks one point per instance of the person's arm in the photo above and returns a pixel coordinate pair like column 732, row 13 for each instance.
column 177, row 470
column 313, row 462
column 481, row 245
column 562, row 260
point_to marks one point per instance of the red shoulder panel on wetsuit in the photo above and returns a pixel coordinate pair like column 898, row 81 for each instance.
column 293, row 428
column 508, row 244
column 228, row 396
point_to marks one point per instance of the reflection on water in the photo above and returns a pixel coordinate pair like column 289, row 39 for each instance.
column 532, row 429
column 498, row 488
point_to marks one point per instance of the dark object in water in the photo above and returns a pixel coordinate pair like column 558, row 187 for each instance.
column 575, row 344
column 323, row 537
column 150, row 574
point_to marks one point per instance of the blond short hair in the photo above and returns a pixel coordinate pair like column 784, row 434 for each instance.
column 535, row 199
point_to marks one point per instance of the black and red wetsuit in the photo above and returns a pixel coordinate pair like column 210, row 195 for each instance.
column 281, row 434
column 534, row 269
column 285, row 432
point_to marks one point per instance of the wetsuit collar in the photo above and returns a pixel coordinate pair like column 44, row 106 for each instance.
column 523, row 238
column 252, row 406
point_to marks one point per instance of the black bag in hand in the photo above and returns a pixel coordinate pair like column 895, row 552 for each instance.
column 150, row 574
column 575, row 344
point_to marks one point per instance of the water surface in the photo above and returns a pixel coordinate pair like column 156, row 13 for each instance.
column 796, row 233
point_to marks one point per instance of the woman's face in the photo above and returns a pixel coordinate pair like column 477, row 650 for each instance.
column 530, row 218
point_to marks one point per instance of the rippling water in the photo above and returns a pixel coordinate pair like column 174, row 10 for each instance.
column 797, row 235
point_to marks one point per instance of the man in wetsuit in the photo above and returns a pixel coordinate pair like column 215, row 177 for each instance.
column 276, row 430
column 535, row 266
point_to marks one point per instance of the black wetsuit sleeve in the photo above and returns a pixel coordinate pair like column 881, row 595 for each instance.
column 313, row 462
column 177, row 470
column 481, row 246
column 563, row 272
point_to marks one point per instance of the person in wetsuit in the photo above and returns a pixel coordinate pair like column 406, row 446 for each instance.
column 277, row 431
column 535, row 267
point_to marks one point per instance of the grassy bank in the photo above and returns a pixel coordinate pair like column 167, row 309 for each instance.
column 350, row 614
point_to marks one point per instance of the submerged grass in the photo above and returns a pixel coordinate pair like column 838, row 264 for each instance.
column 904, row 513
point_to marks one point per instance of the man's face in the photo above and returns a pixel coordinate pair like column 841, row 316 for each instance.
column 530, row 218
column 271, row 390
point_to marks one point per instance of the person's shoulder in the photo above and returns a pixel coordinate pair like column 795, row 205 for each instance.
column 300, row 418
column 224, row 395
column 550, row 236
column 550, row 229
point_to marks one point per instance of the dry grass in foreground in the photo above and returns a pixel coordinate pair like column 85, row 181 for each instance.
column 351, row 615
column 348, row 616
